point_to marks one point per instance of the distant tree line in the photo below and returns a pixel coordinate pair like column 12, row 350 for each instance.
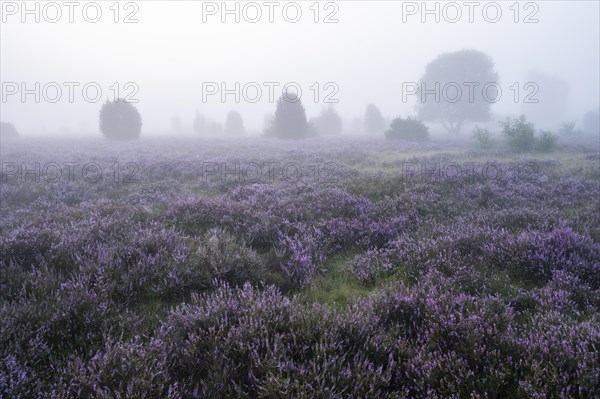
column 121, row 120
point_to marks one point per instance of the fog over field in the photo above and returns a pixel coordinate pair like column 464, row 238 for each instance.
column 367, row 49
column 311, row 199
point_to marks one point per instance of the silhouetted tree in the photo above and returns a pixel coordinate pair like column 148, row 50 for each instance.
column 120, row 120
column 8, row 130
column 234, row 125
column 268, row 119
column 328, row 122
column 450, row 75
column 356, row 125
column 591, row 122
column 176, row 125
column 374, row 122
column 199, row 123
column 289, row 121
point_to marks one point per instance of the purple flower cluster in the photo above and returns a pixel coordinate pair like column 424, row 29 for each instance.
column 531, row 255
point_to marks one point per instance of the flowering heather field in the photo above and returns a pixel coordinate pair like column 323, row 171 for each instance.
column 343, row 270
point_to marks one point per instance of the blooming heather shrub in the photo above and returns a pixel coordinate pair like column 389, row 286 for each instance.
column 562, row 356
column 227, row 259
column 363, row 231
column 163, row 263
column 17, row 379
column 49, row 329
column 27, row 246
column 424, row 341
column 129, row 368
column 231, row 331
column 471, row 286
column 565, row 292
column 16, row 282
column 372, row 264
column 419, row 342
column 446, row 249
column 541, row 253
column 516, row 219
column 303, row 255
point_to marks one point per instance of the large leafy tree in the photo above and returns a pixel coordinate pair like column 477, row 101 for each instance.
column 290, row 119
column 120, row 120
column 470, row 71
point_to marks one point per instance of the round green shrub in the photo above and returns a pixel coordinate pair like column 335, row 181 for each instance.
column 407, row 129
column 119, row 120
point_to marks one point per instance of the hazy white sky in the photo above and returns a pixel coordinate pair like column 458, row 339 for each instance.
column 368, row 54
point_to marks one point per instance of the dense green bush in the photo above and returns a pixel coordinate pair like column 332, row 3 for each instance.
column 546, row 141
column 483, row 138
column 518, row 134
column 119, row 120
column 407, row 129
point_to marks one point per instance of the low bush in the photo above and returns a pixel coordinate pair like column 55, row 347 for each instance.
column 518, row 134
column 546, row 141
column 569, row 129
column 483, row 138
column 407, row 129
